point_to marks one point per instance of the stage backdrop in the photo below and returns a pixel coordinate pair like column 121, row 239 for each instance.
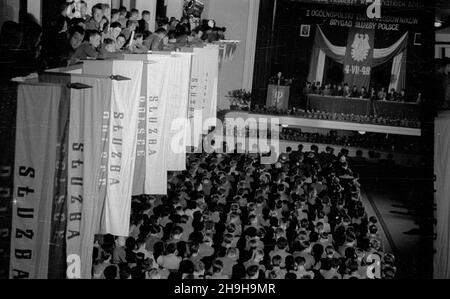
column 359, row 58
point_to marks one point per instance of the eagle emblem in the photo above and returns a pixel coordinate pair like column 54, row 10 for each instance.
column 360, row 47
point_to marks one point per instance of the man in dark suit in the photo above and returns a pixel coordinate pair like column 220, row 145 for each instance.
column 144, row 23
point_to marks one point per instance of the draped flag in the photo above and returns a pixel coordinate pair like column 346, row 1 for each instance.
column 8, row 95
column 356, row 63
column 203, row 91
column 57, row 256
column 358, row 60
column 90, row 114
column 176, row 114
column 157, row 95
column 122, row 146
column 211, row 81
column 34, row 172
column 122, row 129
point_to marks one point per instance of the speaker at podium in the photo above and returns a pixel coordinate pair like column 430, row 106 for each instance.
column 278, row 94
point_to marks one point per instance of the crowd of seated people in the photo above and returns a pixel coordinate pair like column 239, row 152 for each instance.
column 330, row 116
column 229, row 217
column 78, row 33
column 344, row 90
column 372, row 141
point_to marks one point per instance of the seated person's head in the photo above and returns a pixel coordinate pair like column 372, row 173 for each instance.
column 132, row 25
column 116, row 29
column 110, row 45
column 171, row 248
column 120, row 42
column 217, row 266
column 252, row 272
column 161, row 32
column 76, row 37
column 123, row 11
column 139, row 38
column 146, row 15
column 97, row 13
column 282, row 243
column 94, row 38
column 115, row 14
column 134, row 14
column 110, row 272
column 276, row 261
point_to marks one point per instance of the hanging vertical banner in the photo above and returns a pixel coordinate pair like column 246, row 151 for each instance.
column 34, row 171
column 8, row 95
column 141, row 146
column 176, row 128
column 157, row 94
column 90, row 111
column 213, row 80
column 196, row 97
column 359, row 55
column 122, row 146
column 57, row 256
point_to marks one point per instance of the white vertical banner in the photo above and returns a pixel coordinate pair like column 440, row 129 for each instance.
column 122, row 146
column 157, row 94
column 177, row 112
column 87, row 174
column 35, row 166
column 213, row 80
column 197, row 97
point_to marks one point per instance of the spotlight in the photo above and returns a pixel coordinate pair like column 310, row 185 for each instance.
column 437, row 24
column 362, row 133
column 285, row 126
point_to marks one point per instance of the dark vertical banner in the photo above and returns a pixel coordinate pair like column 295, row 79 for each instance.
column 57, row 261
column 34, row 173
column 57, row 254
column 8, row 102
column 358, row 61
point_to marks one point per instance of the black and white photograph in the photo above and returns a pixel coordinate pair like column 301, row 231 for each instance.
column 305, row 30
column 205, row 143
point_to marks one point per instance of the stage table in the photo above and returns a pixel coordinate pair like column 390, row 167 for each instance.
column 363, row 107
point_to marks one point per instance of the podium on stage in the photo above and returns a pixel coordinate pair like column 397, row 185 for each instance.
column 278, row 96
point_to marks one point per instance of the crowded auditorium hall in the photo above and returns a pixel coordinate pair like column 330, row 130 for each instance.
column 224, row 140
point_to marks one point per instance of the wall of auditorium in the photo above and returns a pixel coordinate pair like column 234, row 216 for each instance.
column 9, row 11
column 34, row 8
column 237, row 16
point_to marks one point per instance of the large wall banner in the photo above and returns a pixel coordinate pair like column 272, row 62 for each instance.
column 157, row 95
column 122, row 146
column 88, row 145
column 177, row 112
column 34, row 171
column 358, row 60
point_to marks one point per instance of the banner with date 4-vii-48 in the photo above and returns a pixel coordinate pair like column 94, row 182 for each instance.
column 358, row 61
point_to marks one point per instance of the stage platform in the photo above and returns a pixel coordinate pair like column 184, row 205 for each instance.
column 299, row 122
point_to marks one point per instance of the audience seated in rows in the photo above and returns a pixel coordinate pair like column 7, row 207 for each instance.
column 230, row 217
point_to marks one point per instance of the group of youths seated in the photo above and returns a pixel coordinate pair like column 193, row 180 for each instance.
column 230, row 217
column 108, row 34
column 344, row 90
column 371, row 141
column 78, row 33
